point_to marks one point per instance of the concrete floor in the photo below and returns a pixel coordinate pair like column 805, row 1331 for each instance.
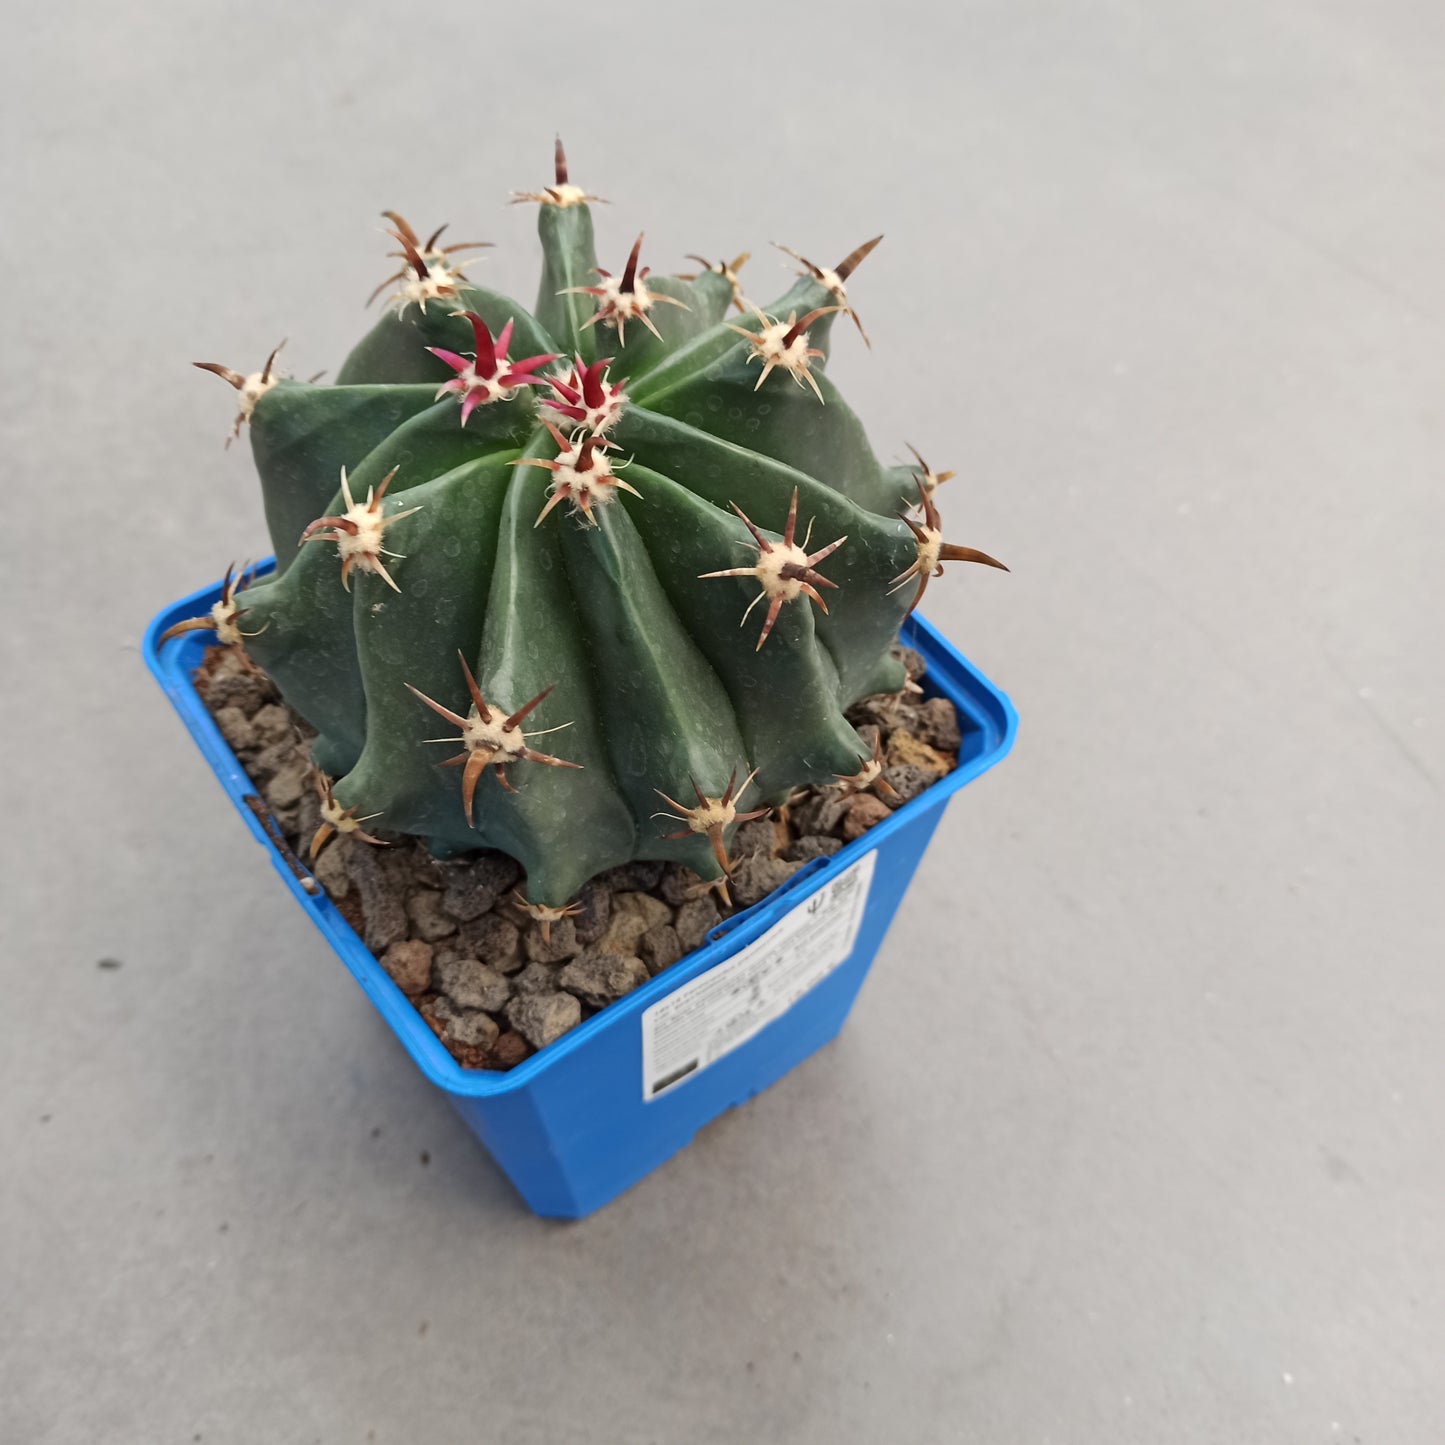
column 1136, row 1136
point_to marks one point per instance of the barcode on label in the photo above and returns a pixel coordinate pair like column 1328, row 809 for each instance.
column 711, row 1016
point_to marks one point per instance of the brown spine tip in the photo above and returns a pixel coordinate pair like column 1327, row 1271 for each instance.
column 559, row 160
column 850, row 263
column 948, row 552
column 803, row 323
column 413, row 256
column 402, row 226
column 763, row 544
column 478, row 701
column 629, row 275
column 527, row 707
column 224, row 372
column 271, row 361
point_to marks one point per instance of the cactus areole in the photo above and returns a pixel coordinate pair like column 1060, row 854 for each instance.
column 538, row 574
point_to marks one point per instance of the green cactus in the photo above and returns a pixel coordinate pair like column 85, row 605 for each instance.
column 561, row 559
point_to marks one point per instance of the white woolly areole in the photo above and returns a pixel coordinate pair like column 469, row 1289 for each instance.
column 253, row 388
column 929, row 546
column 565, row 194
column 712, row 813
column 548, row 913
column 768, row 344
column 865, row 775
column 365, row 547
column 440, row 281
column 614, row 302
column 338, row 817
column 467, row 383
column 601, row 419
column 223, row 614
column 597, row 419
column 596, row 483
column 769, row 570
column 489, row 734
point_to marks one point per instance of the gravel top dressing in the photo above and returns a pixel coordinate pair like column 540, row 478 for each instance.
column 494, row 984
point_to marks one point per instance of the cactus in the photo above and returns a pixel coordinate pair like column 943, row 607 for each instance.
column 555, row 525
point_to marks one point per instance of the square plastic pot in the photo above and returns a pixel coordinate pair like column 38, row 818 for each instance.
column 592, row 1113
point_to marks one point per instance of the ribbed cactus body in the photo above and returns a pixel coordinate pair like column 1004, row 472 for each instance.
column 655, row 686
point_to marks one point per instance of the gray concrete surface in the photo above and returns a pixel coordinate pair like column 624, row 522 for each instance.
column 1136, row 1135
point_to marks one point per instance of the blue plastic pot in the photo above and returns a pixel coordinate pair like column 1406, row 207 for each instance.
column 589, row 1115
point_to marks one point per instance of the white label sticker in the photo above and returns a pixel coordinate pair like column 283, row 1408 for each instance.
column 709, row 1017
